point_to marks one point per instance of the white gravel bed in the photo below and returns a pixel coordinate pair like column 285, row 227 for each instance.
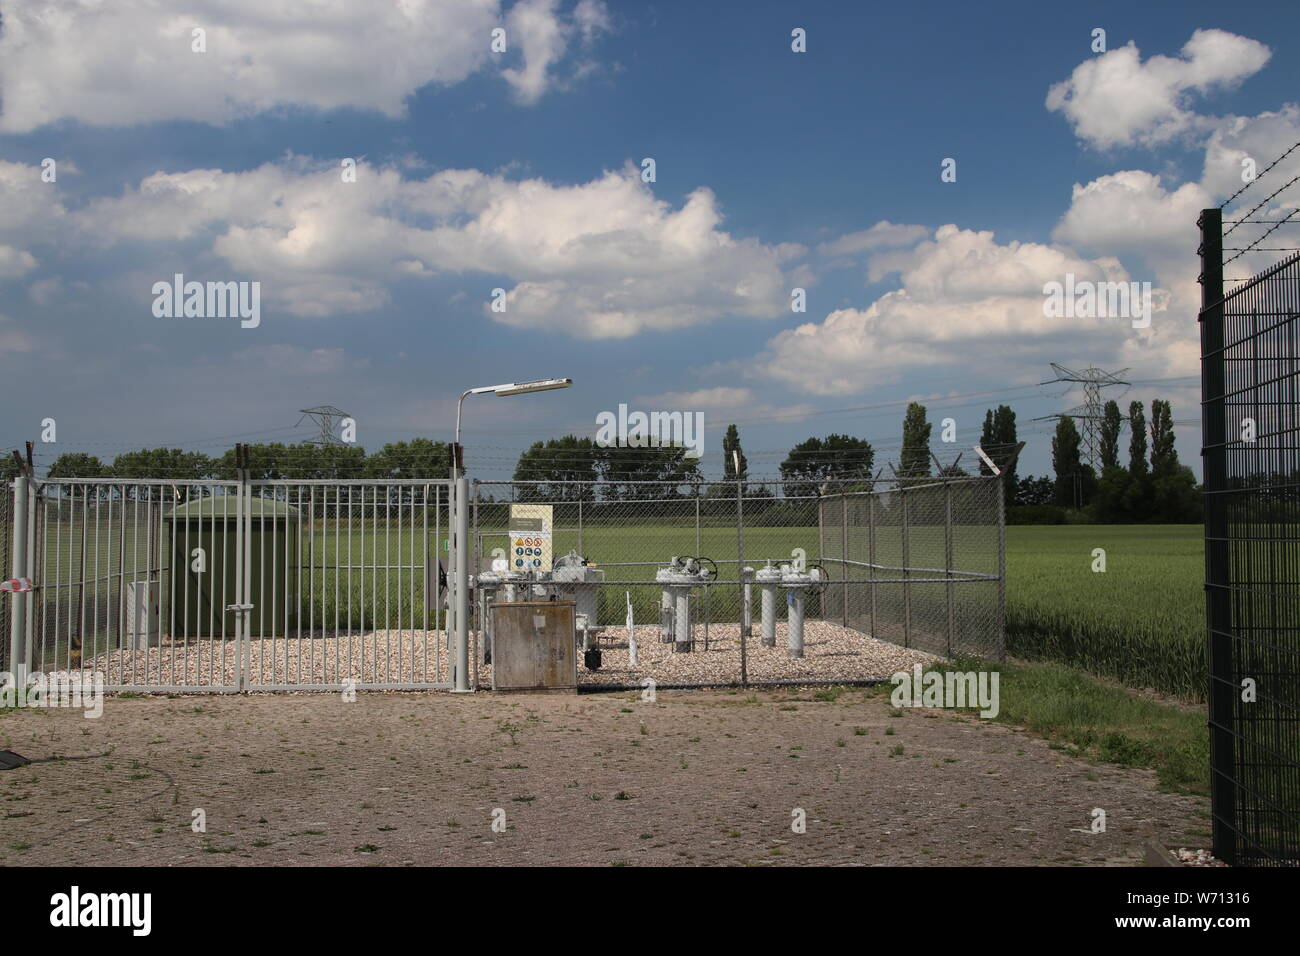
column 378, row 657
column 831, row 653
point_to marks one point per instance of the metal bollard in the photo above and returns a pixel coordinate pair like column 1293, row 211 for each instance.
column 797, row 584
column 795, row 621
column 747, row 603
column 666, row 616
column 768, row 578
column 684, row 644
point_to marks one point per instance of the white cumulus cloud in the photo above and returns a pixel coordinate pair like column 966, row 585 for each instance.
column 1116, row 99
column 965, row 299
column 118, row 64
column 601, row 259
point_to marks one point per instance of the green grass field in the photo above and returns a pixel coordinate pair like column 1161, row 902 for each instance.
column 1142, row 621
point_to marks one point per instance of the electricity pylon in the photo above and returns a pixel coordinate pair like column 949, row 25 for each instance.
column 325, row 416
column 1089, row 414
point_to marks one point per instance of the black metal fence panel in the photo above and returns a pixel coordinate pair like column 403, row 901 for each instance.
column 1250, row 357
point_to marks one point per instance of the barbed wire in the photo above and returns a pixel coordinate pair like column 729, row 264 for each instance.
column 1258, row 177
column 1265, row 202
column 1266, row 234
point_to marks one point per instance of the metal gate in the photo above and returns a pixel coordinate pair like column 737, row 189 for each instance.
column 225, row 586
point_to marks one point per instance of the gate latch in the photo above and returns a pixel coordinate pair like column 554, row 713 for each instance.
column 239, row 608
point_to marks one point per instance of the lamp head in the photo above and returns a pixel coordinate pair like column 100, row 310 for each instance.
column 523, row 388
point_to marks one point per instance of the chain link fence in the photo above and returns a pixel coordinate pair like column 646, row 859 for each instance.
column 919, row 565
column 902, row 568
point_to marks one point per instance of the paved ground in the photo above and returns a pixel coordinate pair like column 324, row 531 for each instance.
column 695, row 778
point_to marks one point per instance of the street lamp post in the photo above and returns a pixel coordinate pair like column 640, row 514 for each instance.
column 460, row 491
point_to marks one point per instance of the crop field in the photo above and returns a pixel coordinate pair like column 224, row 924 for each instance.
column 1141, row 622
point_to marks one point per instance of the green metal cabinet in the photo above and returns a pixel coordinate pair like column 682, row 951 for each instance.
column 198, row 599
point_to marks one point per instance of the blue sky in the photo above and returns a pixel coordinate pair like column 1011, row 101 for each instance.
column 519, row 171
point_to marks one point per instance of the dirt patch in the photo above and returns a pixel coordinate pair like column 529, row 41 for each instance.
column 696, row 777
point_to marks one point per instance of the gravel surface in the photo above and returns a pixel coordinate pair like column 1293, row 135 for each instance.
column 389, row 657
column 831, row 653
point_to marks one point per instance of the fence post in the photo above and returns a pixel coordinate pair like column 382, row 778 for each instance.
column 481, row 610
column 740, row 560
column 822, row 495
column 6, row 543
column 698, row 486
column 907, row 574
column 461, row 549
column 580, row 548
column 844, row 554
column 947, row 569
column 432, row 579
column 243, row 574
column 1002, row 572
column 746, row 623
column 871, row 557
column 29, row 560
column 1218, row 596
column 121, row 567
column 18, row 619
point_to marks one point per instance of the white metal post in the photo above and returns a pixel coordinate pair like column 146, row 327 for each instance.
column 769, row 614
column 460, row 488
column 245, row 617
column 747, row 602
column 683, row 636
column 794, row 623
column 18, row 619
column 460, row 545
column 29, row 561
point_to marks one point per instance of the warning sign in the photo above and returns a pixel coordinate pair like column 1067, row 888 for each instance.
column 530, row 537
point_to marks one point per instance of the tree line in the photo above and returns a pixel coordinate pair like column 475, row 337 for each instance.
column 418, row 458
column 1152, row 486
